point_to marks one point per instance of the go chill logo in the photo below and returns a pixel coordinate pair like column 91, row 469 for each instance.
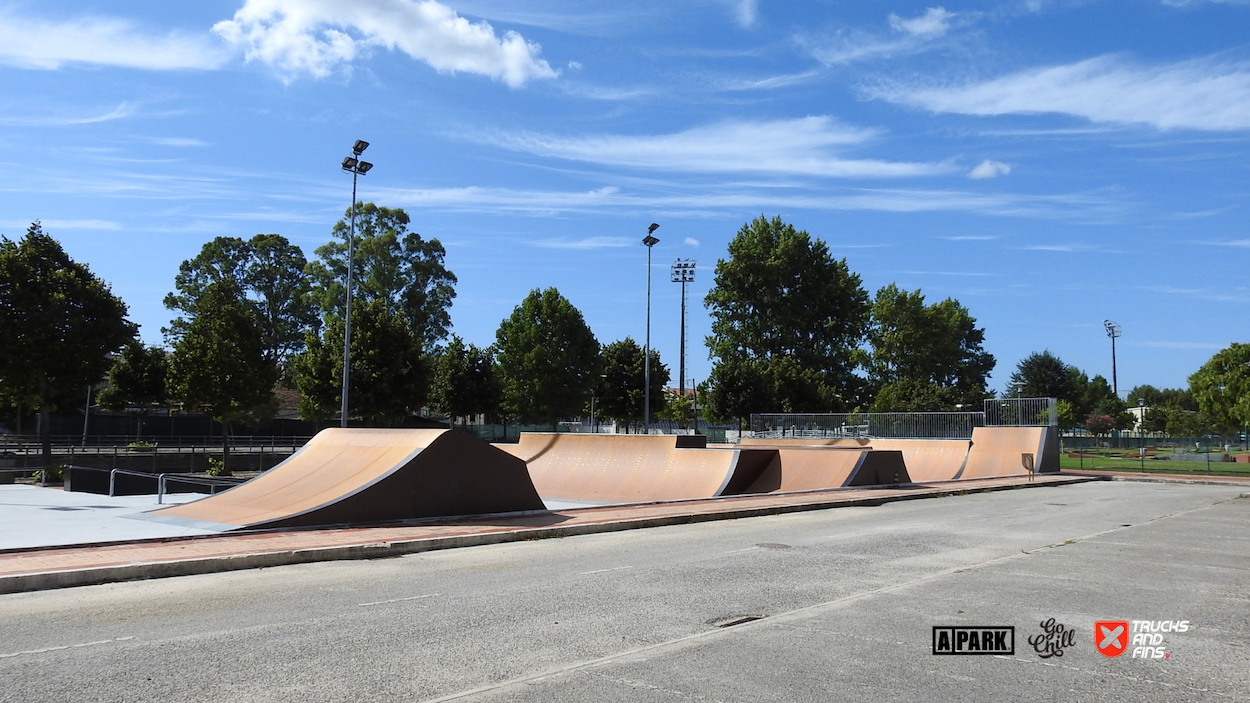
column 974, row 640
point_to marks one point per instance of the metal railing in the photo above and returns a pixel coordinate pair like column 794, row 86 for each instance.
column 1015, row 412
column 162, row 480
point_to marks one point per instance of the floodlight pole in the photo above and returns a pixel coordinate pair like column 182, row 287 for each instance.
column 648, row 241
column 356, row 167
column 1113, row 331
column 682, row 272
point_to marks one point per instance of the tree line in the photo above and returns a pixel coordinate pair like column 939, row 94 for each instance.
column 793, row 330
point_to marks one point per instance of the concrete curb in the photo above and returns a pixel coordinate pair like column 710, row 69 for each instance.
column 47, row 580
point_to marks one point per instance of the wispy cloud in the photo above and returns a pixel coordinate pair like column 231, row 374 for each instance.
column 691, row 242
column 989, row 169
column 973, row 274
column 794, row 147
column 971, row 238
column 316, row 37
column 933, row 23
column 585, row 243
column 1179, row 345
column 911, row 35
column 26, row 119
column 1064, row 248
column 1204, row 94
column 29, row 42
column 1073, row 206
column 179, row 141
column 53, row 225
column 745, row 12
column 771, row 82
column 1239, row 243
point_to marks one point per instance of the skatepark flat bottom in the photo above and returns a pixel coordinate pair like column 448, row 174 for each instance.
column 30, row 570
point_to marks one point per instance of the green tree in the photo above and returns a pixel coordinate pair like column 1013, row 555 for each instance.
column 782, row 296
column 269, row 270
column 396, row 267
column 909, row 395
column 619, row 392
column 465, row 382
column 1044, row 375
column 1222, row 388
column 218, row 365
column 60, row 324
column 137, row 379
column 389, row 377
column 739, row 387
column 548, row 358
column 938, row 346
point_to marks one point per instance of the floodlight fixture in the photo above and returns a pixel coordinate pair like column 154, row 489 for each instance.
column 356, row 167
column 1113, row 331
column 648, row 241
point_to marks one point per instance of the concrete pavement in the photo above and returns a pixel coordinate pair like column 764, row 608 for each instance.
column 848, row 599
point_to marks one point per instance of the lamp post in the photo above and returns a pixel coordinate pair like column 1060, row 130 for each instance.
column 1113, row 331
column 1141, row 428
column 648, row 241
column 356, row 167
column 682, row 272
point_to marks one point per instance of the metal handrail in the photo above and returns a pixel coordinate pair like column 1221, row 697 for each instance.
column 213, row 484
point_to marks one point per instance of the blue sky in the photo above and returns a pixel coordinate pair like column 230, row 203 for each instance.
column 1049, row 164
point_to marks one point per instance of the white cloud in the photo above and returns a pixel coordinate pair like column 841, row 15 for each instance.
column 316, row 37
column 53, row 225
column 179, row 141
column 35, row 43
column 918, row 34
column 123, row 109
column 746, row 12
column 796, row 147
column 691, row 242
column 935, row 22
column 971, row 238
column 1198, row 94
column 989, row 169
column 586, row 243
column 1240, row 243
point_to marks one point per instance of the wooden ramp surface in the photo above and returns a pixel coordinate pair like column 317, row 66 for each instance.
column 631, row 468
column 811, row 468
column 1000, row 451
column 353, row 476
column 925, row 459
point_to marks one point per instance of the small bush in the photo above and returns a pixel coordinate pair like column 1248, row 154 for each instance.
column 141, row 447
column 55, row 475
column 215, row 466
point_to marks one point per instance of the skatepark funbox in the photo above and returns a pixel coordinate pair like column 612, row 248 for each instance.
column 355, row 476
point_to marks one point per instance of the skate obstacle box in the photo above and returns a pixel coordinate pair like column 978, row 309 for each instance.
column 356, row 476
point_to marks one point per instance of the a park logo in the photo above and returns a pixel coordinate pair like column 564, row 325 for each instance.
column 974, row 640
column 1148, row 640
column 1111, row 637
column 1052, row 640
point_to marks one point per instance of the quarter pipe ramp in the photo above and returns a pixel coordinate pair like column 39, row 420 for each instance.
column 348, row 476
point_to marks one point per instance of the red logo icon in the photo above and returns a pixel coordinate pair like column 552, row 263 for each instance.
column 1111, row 637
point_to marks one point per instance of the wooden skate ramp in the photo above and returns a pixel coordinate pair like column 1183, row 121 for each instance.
column 348, row 476
column 635, row 468
column 925, row 459
column 1000, row 451
column 812, row 468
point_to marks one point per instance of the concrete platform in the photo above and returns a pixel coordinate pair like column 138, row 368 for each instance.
column 30, row 570
column 31, row 516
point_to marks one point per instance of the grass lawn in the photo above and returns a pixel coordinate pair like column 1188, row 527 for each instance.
column 1158, row 466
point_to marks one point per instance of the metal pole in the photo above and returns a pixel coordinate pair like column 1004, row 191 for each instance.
column 1115, row 386
column 86, row 415
column 646, row 358
column 681, row 385
column 347, row 324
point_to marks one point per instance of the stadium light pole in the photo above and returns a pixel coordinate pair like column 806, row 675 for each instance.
column 648, row 241
column 1113, row 331
column 355, row 166
column 682, row 272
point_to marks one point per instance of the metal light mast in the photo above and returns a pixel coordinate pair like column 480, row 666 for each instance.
column 1113, row 331
column 683, row 273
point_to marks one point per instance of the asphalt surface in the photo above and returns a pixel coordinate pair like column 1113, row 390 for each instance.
column 848, row 598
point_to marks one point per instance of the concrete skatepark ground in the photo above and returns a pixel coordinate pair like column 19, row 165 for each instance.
column 849, row 597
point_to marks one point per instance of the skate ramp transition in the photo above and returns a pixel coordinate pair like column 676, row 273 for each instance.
column 992, row 451
column 346, row 476
column 649, row 468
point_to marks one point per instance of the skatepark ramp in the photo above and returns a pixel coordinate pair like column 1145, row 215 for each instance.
column 648, row 468
column 352, row 476
column 992, row 451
